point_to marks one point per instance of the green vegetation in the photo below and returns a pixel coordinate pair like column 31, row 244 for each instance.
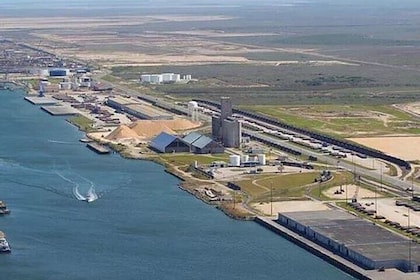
column 415, row 177
column 339, row 179
column 82, row 122
column 344, row 120
column 283, row 186
column 187, row 159
column 392, row 170
column 301, row 83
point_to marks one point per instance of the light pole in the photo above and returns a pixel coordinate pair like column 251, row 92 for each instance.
column 271, row 199
column 381, row 178
column 376, row 200
column 409, row 241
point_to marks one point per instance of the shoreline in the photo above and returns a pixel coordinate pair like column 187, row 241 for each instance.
column 189, row 185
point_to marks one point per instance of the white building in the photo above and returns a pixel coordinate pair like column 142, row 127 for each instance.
column 163, row 78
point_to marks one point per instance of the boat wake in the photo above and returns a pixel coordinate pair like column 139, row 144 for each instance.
column 62, row 142
column 91, row 194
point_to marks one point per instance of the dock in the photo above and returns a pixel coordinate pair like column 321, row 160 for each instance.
column 98, row 148
column 60, row 110
column 37, row 100
column 330, row 257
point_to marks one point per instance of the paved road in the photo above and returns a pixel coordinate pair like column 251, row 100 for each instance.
column 386, row 179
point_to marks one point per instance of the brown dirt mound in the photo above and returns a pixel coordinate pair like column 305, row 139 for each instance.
column 122, row 132
column 180, row 124
column 147, row 128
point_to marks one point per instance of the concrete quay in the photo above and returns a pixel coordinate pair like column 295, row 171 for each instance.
column 60, row 110
column 339, row 262
column 37, row 100
column 98, row 148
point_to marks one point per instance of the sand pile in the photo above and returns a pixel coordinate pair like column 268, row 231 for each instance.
column 122, row 132
column 148, row 128
column 180, row 124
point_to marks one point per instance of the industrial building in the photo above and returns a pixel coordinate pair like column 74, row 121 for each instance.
column 137, row 109
column 226, row 107
column 165, row 78
column 58, row 72
column 201, row 144
column 361, row 242
column 225, row 128
column 166, row 143
column 231, row 133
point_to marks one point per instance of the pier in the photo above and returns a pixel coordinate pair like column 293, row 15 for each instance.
column 36, row 100
column 334, row 259
column 60, row 110
column 98, row 148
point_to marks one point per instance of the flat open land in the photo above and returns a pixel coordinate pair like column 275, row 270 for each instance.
column 353, row 191
column 407, row 148
column 346, row 120
column 386, row 207
column 290, row 206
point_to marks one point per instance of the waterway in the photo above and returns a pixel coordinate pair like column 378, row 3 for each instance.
column 140, row 227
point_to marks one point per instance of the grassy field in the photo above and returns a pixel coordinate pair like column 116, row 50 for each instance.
column 344, row 120
column 186, row 159
column 290, row 186
column 283, row 186
column 82, row 123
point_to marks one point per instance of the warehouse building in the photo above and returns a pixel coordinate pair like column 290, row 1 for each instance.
column 164, row 78
column 361, row 242
column 137, row 109
column 201, row 144
column 167, row 143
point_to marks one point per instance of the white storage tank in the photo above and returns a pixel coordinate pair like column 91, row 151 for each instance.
column 234, row 160
column 261, row 159
column 244, row 158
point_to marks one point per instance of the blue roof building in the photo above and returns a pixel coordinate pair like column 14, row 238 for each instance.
column 167, row 143
column 201, row 144
column 190, row 138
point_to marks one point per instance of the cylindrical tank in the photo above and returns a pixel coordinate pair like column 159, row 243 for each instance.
column 234, row 160
column 192, row 104
column 261, row 159
column 244, row 158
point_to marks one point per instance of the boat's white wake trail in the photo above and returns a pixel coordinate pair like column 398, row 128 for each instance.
column 77, row 194
column 91, row 194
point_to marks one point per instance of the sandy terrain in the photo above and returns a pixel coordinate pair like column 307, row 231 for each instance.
column 351, row 192
column 407, row 148
column 80, row 22
column 97, row 39
column 411, row 108
column 145, row 129
column 290, row 206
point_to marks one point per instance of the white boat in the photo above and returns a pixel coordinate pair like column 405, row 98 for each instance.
column 4, row 246
column 91, row 196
